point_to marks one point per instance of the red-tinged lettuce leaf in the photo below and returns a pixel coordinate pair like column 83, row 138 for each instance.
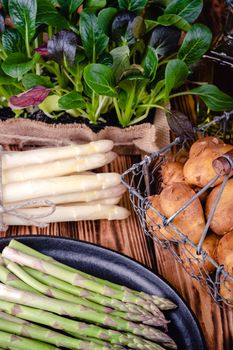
column 43, row 51
column 30, row 98
column 63, row 46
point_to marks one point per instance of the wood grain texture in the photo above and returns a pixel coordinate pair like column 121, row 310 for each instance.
column 216, row 323
column 127, row 237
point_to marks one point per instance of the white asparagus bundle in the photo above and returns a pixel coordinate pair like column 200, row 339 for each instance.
column 71, row 213
column 26, row 190
column 59, row 167
column 86, row 197
column 44, row 155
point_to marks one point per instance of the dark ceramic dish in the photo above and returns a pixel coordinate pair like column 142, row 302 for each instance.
column 120, row 269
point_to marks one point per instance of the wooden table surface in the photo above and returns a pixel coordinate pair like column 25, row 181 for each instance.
column 127, row 237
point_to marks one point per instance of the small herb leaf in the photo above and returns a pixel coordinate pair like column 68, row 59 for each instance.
column 71, row 100
column 93, row 38
column 48, row 14
column 150, row 63
column 196, row 42
column 215, row 99
column 187, row 9
column 175, row 74
column 132, row 5
column 17, row 64
column 23, row 15
column 174, row 20
column 100, row 79
column 121, row 60
column 30, row 80
column 105, row 18
column 12, row 41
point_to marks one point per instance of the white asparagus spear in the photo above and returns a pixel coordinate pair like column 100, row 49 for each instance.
column 109, row 201
column 30, row 189
column 44, row 155
column 71, row 213
column 59, row 167
column 111, row 192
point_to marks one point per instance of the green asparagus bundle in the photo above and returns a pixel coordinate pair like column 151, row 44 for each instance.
column 49, row 336
column 56, row 293
column 74, row 310
column 79, row 328
column 39, row 289
column 11, row 318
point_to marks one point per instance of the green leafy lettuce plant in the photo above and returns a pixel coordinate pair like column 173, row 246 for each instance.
column 103, row 59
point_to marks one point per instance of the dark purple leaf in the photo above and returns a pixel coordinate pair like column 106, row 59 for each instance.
column 30, row 98
column 180, row 125
column 63, row 45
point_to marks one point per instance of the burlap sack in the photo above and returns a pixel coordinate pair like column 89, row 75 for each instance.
column 132, row 140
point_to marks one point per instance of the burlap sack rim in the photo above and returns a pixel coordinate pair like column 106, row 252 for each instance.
column 145, row 137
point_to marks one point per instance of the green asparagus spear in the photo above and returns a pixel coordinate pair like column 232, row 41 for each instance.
column 49, row 336
column 10, row 279
column 75, row 327
column 162, row 303
column 11, row 340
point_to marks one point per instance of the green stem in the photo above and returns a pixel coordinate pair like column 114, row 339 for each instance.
column 27, row 42
column 38, row 70
column 92, row 116
column 167, row 59
column 102, row 100
column 4, row 93
column 128, row 109
column 69, row 77
column 50, row 32
column 182, row 94
column 117, row 108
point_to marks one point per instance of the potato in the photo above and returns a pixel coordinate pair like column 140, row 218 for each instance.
column 152, row 219
column 203, row 143
column 198, row 170
column 172, row 172
column 195, row 264
column 225, row 251
column 190, row 221
column 222, row 221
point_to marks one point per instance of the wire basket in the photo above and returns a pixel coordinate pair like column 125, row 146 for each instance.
column 144, row 179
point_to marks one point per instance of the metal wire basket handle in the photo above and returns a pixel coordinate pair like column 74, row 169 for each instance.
column 224, row 164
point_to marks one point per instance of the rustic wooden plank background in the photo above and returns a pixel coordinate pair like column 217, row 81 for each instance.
column 127, row 237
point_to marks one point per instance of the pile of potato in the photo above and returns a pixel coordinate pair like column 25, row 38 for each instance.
column 180, row 183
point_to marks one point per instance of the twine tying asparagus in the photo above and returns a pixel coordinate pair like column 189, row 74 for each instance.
column 12, row 209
